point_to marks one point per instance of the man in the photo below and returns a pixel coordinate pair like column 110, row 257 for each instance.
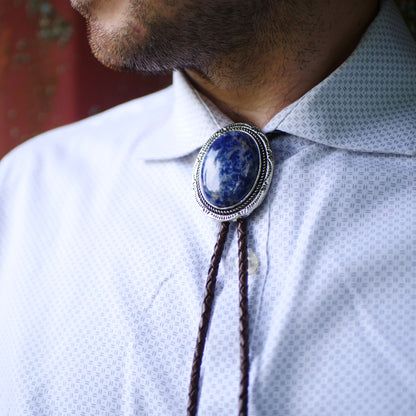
column 104, row 252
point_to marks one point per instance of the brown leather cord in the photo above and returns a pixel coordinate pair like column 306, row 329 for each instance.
column 193, row 395
column 244, row 332
column 205, row 318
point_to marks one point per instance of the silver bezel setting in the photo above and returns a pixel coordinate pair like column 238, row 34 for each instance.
column 260, row 188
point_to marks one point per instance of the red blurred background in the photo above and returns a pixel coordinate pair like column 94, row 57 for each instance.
column 48, row 76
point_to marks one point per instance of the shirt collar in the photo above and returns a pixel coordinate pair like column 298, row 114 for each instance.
column 361, row 106
column 192, row 119
column 371, row 97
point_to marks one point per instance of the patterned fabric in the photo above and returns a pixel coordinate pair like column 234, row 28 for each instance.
column 104, row 254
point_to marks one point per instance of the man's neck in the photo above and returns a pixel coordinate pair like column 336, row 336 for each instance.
column 255, row 93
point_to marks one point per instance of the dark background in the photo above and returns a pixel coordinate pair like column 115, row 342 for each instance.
column 48, row 76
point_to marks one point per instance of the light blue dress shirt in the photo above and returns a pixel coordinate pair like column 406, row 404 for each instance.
column 104, row 255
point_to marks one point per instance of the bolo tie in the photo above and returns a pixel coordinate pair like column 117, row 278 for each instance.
column 231, row 177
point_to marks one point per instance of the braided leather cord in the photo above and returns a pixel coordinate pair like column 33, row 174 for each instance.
column 205, row 318
column 244, row 329
column 193, row 394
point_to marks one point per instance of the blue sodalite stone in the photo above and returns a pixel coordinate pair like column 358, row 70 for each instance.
column 230, row 169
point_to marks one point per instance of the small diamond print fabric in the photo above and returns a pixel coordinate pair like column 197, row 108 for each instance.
column 104, row 255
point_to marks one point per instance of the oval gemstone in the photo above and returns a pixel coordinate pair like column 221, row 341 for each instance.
column 230, row 169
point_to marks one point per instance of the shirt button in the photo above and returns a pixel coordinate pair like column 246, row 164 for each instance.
column 253, row 262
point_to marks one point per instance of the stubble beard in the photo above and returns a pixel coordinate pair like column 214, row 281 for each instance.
column 212, row 38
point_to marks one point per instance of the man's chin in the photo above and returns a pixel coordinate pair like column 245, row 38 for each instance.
column 109, row 50
column 118, row 49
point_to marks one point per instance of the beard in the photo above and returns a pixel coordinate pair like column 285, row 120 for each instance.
column 200, row 37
